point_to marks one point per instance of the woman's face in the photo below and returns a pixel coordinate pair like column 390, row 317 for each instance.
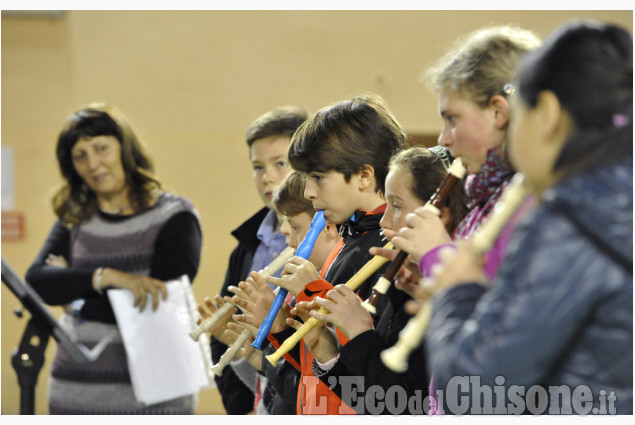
column 469, row 131
column 97, row 160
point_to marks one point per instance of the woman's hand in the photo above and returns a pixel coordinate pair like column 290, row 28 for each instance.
column 322, row 340
column 345, row 311
column 297, row 273
column 140, row 286
column 56, row 261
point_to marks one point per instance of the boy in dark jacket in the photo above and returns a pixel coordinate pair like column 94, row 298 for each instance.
column 343, row 153
column 259, row 239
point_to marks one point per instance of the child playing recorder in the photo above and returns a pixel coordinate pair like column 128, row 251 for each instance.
column 343, row 154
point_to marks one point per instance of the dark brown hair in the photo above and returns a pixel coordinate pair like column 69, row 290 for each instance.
column 428, row 171
column 74, row 202
column 347, row 136
column 282, row 121
column 588, row 65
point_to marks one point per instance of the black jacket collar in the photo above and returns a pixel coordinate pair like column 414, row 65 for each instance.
column 247, row 233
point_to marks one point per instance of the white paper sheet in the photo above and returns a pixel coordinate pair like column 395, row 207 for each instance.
column 164, row 361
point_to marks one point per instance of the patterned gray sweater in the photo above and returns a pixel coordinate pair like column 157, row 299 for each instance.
column 163, row 242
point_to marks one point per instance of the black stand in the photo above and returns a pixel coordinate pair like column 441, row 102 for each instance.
column 28, row 358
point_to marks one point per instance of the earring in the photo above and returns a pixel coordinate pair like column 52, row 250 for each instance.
column 83, row 193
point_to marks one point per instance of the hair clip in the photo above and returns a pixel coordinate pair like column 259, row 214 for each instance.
column 620, row 120
column 443, row 154
column 509, row 89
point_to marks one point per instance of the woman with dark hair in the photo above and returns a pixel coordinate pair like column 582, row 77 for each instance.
column 116, row 228
column 554, row 334
column 74, row 202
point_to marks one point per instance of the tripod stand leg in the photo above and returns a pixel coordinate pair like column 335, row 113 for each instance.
column 27, row 360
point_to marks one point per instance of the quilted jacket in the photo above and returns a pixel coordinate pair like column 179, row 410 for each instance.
column 560, row 312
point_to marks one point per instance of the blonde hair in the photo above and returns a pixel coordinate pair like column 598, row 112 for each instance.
column 479, row 64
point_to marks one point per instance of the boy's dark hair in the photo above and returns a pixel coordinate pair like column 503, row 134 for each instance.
column 282, row 121
column 347, row 136
column 288, row 197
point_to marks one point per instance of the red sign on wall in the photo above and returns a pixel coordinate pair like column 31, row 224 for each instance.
column 12, row 226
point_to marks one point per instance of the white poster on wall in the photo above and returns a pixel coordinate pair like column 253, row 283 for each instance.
column 7, row 178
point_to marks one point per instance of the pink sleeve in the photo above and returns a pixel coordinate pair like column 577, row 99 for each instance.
column 431, row 258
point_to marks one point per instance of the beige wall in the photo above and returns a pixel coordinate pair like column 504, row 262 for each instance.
column 191, row 82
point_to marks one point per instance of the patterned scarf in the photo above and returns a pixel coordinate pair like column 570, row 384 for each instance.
column 483, row 190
